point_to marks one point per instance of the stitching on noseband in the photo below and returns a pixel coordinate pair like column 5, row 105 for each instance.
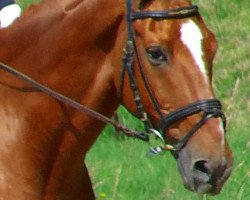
column 211, row 108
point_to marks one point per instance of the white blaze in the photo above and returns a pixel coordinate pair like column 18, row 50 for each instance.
column 222, row 132
column 192, row 37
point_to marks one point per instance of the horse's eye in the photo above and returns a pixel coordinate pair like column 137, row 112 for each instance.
column 156, row 55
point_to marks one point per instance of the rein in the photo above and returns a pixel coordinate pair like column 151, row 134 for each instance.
column 211, row 108
column 72, row 103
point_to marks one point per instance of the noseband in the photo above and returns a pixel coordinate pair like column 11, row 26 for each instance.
column 211, row 108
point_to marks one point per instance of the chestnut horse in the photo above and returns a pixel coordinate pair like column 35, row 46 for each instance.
column 76, row 47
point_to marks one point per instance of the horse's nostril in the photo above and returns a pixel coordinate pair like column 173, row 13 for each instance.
column 202, row 166
column 201, row 171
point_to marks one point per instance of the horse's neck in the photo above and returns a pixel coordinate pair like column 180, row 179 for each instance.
column 89, row 16
column 70, row 51
column 77, row 33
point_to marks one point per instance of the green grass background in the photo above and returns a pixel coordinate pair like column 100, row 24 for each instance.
column 119, row 168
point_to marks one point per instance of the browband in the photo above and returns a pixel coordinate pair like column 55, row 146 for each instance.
column 176, row 13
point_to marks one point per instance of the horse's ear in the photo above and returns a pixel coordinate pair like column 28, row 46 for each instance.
column 143, row 3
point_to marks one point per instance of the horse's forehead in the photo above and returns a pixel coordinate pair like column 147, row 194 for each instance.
column 192, row 37
column 187, row 32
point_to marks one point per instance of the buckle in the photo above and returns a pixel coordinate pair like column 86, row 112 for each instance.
column 155, row 147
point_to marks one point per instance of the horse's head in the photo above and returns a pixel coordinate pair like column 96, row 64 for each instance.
column 172, row 67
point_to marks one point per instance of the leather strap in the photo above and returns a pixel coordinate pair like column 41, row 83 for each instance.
column 209, row 106
column 177, row 13
column 72, row 103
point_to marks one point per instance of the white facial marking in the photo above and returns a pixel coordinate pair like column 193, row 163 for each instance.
column 222, row 132
column 192, row 37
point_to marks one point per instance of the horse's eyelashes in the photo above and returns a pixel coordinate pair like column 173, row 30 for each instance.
column 156, row 55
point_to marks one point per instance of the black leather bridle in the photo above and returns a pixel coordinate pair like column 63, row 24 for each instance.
column 211, row 108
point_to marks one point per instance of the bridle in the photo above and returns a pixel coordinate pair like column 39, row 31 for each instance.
column 211, row 108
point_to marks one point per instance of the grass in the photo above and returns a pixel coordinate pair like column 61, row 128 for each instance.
column 119, row 168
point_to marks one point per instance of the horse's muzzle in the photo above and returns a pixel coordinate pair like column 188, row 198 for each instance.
column 203, row 176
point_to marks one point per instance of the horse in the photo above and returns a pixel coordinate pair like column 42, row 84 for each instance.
column 153, row 57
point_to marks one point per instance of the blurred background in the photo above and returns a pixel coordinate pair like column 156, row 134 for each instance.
column 119, row 167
